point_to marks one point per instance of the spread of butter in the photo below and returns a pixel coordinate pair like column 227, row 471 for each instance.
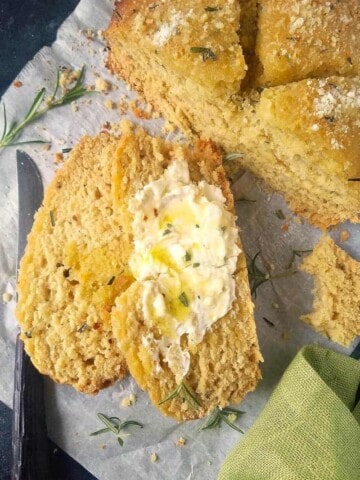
column 185, row 256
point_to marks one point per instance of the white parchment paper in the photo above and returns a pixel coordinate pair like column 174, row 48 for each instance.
column 71, row 416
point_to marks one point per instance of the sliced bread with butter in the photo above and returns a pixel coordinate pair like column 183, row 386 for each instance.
column 187, row 321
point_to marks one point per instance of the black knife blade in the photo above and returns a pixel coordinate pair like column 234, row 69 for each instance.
column 29, row 434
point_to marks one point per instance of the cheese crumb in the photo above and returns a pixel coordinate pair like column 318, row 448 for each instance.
column 180, row 442
column 232, row 417
column 128, row 401
column 102, row 85
column 7, row 297
column 109, row 104
column 153, row 457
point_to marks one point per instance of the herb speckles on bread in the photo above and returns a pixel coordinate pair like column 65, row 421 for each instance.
column 298, row 57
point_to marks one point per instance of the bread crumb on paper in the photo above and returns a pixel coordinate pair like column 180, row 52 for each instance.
column 58, row 157
column 110, row 105
column 181, row 442
column 102, row 85
column 128, row 401
column 344, row 235
column 231, row 417
column 7, row 297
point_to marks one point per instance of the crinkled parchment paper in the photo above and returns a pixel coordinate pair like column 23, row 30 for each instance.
column 72, row 416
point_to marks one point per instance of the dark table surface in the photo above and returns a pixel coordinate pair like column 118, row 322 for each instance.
column 25, row 27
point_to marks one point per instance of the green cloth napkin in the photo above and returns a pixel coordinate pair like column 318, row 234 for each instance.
column 309, row 429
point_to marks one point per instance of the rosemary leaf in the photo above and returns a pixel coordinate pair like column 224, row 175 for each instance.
column 187, row 256
column 190, row 397
column 99, row 432
column 83, row 327
column 218, row 415
column 212, row 9
column 52, row 219
column 245, row 200
column 280, row 214
column 133, row 423
column 225, row 419
column 171, row 395
column 108, row 423
column 212, row 421
column 184, row 299
column 257, row 277
column 196, row 265
column 229, row 157
column 207, row 53
column 111, row 281
column 114, row 425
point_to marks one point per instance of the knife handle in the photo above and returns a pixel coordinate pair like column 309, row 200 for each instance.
column 29, row 434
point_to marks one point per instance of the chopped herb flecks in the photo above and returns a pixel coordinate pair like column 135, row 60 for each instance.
column 184, row 299
column 207, row 53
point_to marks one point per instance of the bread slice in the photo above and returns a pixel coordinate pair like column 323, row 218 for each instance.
column 336, row 310
column 302, row 137
column 74, row 266
column 224, row 365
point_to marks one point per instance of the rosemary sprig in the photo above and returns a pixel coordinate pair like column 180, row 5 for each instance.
column 115, row 425
column 257, row 277
column 219, row 415
column 207, row 53
column 185, row 393
column 12, row 131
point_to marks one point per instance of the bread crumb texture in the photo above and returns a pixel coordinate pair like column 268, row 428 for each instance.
column 224, row 365
column 336, row 308
column 276, row 81
column 75, row 265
